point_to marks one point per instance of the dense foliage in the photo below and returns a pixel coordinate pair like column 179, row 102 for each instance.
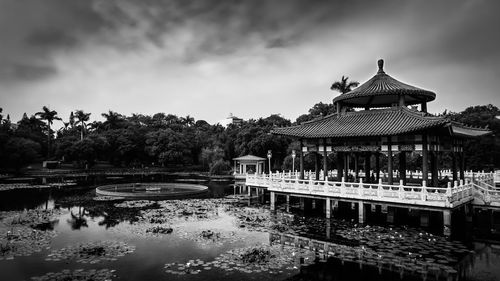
column 166, row 140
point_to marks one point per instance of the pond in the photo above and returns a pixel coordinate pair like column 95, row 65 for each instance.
column 65, row 234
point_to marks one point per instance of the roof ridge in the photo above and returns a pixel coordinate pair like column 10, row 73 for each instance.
column 319, row 118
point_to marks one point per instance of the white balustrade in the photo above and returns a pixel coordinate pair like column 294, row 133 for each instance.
column 417, row 195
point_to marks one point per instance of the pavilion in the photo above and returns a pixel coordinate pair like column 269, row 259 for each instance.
column 393, row 120
column 249, row 164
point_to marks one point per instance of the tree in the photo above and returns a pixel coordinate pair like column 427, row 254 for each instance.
column 483, row 152
column 49, row 116
column 20, row 152
column 343, row 86
column 82, row 118
column 114, row 120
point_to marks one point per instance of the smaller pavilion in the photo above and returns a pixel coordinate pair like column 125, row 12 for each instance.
column 249, row 164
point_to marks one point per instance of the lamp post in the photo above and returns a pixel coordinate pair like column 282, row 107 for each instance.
column 293, row 160
column 269, row 155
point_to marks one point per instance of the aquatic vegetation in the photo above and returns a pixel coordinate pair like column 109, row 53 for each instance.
column 253, row 259
column 15, row 186
column 210, row 237
column 92, row 252
column 30, row 218
column 136, row 204
column 77, row 275
column 23, row 233
column 159, row 230
column 23, row 241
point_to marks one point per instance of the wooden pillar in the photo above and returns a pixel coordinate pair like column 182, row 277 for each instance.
column 424, row 218
column 328, row 208
column 367, row 166
column 402, row 166
column 361, row 212
column 356, row 165
column 462, row 166
column 346, row 166
column 434, row 168
column 423, row 107
column 377, row 166
column 340, row 166
column 325, row 161
column 454, row 165
column 301, row 162
column 447, row 222
column 273, row 201
column 425, row 160
column 390, row 214
column 316, row 163
column 389, row 160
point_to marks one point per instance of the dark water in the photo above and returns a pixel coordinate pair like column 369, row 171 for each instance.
column 342, row 249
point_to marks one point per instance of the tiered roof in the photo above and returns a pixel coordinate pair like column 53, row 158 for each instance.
column 382, row 122
column 383, row 91
column 380, row 91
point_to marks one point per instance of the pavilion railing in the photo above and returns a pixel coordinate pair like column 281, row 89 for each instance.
column 471, row 175
column 485, row 189
column 449, row 196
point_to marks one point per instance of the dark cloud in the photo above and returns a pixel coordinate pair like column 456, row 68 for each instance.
column 51, row 37
column 71, row 40
column 26, row 71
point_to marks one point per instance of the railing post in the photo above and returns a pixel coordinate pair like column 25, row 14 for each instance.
column 424, row 191
column 401, row 190
column 379, row 192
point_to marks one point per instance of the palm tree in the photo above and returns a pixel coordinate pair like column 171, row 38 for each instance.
column 113, row 119
column 82, row 118
column 72, row 119
column 188, row 120
column 49, row 116
column 343, row 86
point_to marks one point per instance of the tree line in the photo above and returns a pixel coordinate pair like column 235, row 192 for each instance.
column 167, row 140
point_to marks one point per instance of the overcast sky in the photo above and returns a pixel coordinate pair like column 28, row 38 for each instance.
column 251, row 58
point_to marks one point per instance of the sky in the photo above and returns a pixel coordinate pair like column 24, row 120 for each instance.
column 251, row 58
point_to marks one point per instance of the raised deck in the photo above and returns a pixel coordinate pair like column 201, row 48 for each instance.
column 450, row 197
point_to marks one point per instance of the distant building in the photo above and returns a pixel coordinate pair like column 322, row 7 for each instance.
column 231, row 119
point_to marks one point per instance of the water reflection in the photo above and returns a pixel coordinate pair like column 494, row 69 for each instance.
column 215, row 233
column 78, row 220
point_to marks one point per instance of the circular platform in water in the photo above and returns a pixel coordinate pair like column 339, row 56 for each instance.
column 151, row 190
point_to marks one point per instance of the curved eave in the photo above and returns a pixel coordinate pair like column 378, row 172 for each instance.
column 385, row 98
column 393, row 121
column 460, row 130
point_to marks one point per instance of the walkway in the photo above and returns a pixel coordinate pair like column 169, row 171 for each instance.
column 482, row 191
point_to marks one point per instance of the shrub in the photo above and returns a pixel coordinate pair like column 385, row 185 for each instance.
column 220, row 167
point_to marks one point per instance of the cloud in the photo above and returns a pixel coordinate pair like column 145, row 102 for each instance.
column 252, row 58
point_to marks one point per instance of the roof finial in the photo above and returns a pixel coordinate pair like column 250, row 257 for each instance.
column 380, row 66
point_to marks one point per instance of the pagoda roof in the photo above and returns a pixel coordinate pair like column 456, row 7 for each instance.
column 380, row 122
column 383, row 91
column 249, row 158
column 459, row 129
